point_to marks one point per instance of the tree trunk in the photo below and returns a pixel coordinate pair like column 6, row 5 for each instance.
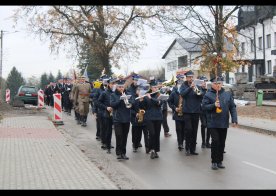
column 219, row 35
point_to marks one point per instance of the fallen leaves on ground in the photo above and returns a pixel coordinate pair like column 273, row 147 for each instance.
column 265, row 112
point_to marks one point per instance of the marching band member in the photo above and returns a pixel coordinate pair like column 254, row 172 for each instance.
column 154, row 118
column 218, row 103
column 191, row 110
column 164, row 109
column 96, row 92
column 138, row 121
column 132, row 91
column 104, row 104
column 203, row 120
column 175, row 102
column 121, row 118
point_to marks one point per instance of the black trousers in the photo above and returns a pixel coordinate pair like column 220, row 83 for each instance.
column 121, row 133
column 191, row 126
column 67, row 104
column 102, row 130
column 98, row 125
column 154, row 128
column 218, row 144
column 107, row 132
column 164, row 122
column 137, row 136
column 180, row 131
column 203, row 121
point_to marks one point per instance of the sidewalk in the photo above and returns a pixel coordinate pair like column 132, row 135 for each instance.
column 257, row 124
column 34, row 155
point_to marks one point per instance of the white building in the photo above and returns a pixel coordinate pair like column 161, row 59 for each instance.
column 257, row 26
column 180, row 55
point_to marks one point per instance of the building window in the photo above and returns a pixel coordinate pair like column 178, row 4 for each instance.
column 268, row 41
column 269, row 67
column 242, row 48
column 252, row 45
column 182, row 61
column 260, row 43
column 172, row 66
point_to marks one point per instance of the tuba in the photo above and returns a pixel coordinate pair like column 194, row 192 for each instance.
column 141, row 115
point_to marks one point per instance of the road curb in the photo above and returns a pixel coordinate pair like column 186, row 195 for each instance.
column 256, row 129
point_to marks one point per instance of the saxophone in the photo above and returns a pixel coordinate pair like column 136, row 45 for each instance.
column 180, row 113
column 141, row 115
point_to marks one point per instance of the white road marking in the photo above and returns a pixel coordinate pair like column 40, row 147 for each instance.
column 260, row 167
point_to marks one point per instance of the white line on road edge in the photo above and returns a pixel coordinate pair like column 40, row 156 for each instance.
column 259, row 167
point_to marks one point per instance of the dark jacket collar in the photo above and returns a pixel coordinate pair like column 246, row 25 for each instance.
column 214, row 91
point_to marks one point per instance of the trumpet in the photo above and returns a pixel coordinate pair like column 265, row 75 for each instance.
column 196, row 89
column 125, row 98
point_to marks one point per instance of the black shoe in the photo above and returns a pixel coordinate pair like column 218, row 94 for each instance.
column 156, row 155
column 98, row 138
column 180, row 147
column 214, row 166
column 167, row 134
column 147, row 150
column 208, row 145
column 108, row 151
column 112, row 146
column 120, row 157
column 187, row 153
column 152, row 154
column 220, row 165
column 140, row 145
column 134, row 149
column 84, row 124
column 125, row 157
column 203, row 145
column 194, row 153
column 104, row 147
column 78, row 122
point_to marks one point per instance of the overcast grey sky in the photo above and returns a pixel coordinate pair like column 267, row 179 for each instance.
column 32, row 57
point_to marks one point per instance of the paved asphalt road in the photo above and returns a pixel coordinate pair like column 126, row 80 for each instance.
column 250, row 162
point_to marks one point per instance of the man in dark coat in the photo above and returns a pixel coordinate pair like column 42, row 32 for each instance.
column 104, row 104
column 154, row 118
column 202, row 116
column 175, row 102
column 132, row 91
column 218, row 104
column 121, row 118
column 191, row 110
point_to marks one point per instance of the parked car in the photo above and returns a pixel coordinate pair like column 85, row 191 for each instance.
column 27, row 94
